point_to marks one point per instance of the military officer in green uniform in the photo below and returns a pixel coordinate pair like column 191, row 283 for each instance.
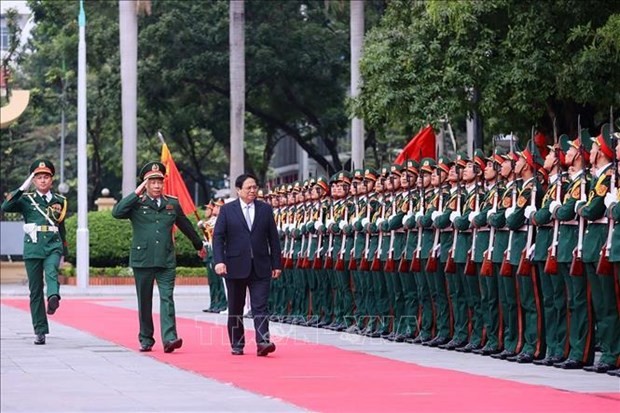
column 153, row 215
column 44, row 242
column 604, row 298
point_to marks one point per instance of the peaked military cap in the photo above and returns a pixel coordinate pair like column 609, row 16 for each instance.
column 513, row 155
column 480, row 159
column 461, row 159
column 343, row 176
column 410, row 165
column 444, row 163
column 42, row 166
column 296, row 187
column 532, row 156
column 583, row 140
column 370, row 174
column 358, row 175
column 427, row 165
column 499, row 156
column 153, row 170
column 218, row 202
column 395, row 170
column 322, row 183
column 603, row 140
column 562, row 148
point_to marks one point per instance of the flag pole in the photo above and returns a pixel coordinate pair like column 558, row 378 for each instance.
column 82, row 235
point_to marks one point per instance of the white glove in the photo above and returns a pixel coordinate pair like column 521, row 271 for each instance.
column 206, row 244
column 473, row 215
column 318, row 225
column 342, row 224
column 529, row 210
column 610, row 199
column 365, row 221
column 453, row 216
column 510, row 211
column 419, row 215
column 578, row 205
column 435, row 214
column 27, row 183
column 201, row 224
column 329, row 223
column 554, row 205
column 379, row 221
column 405, row 219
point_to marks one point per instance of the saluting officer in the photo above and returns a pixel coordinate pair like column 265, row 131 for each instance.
column 152, row 257
column 44, row 242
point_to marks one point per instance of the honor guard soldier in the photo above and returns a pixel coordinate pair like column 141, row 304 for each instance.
column 436, row 199
column 545, row 256
column 465, row 249
column 612, row 202
column 485, row 238
column 581, row 333
column 217, row 294
column 600, row 277
column 152, row 257
column 528, row 282
column 512, row 333
column 444, row 221
column 44, row 241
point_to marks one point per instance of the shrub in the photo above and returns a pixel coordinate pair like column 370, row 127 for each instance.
column 110, row 241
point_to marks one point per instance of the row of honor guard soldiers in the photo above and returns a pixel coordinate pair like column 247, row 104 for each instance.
column 512, row 256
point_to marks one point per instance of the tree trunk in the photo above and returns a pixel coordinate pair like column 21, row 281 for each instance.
column 237, row 89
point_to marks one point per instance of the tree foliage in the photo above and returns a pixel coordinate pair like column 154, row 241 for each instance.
column 516, row 63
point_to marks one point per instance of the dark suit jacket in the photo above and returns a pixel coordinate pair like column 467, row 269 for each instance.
column 234, row 244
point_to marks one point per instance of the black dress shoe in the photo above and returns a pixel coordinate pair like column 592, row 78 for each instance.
column 525, row 358
column 503, row 355
column 146, row 347
column 437, row 341
column 487, row 351
column 262, row 349
column 39, row 339
column 569, row 364
column 547, row 361
column 52, row 304
column 599, row 367
column 170, row 346
column 615, row 372
column 237, row 352
column 453, row 344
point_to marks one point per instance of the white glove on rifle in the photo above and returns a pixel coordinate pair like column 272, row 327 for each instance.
column 610, row 199
column 453, row 216
column 435, row 214
column 473, row 215
column 529, row 210
column 553, row 206
column 27, row 183
column 200, row 224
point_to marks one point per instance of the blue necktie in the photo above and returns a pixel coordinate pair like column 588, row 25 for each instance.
column 248, row 219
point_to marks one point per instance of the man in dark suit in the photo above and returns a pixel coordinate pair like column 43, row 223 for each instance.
column 246, row 251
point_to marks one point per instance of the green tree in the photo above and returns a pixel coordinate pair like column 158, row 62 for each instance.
column 515, row 62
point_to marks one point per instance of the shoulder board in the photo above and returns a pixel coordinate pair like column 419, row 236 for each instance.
column 29, row 193
column 171, row 196
column 60, row 196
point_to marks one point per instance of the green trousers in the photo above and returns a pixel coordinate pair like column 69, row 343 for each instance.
column 217, row 296
column 511, row 312
column 408, row 323
column 581, row 334
column 554, row 309
column 606, row 309
column 438, row 286
column 145, row 278
column 36, row 269
column 458, row 302
column 491, row 309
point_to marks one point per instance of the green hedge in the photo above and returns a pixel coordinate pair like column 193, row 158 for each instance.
column 69, row 271
column 110, row 241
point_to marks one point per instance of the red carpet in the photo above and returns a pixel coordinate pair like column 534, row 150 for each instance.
column 325, row 378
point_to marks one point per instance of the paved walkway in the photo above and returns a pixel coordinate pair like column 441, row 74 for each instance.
column 79, row 372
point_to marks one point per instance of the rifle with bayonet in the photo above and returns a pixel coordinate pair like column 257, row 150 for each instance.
column 450, row 267
column 317, row 262
column 576, row 266
column 364, row 263
column 329, row 261
column 433, row 255
column 470, row 264
column 389, row 262
column 506, row 268
column 340, row 261
column 604, row 267
column 304, row 245
column 376, row 261
column 416, row 265
column 551, row 264
column 525, row 264
column 356, row 197
column 486, row 268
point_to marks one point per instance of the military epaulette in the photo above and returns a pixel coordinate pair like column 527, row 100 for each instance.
column 28, row 193
column 600, row 188
column 171, row 196
column 60, row 196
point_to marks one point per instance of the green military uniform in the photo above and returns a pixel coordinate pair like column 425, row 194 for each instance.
column 604, row 297
column 44, row 244
column 217, row 295
column 553, row 290
column 488, row 282
column 530, row 297
column 511, row 331
column 432, row 284
column 581, row 333
column 152, row 256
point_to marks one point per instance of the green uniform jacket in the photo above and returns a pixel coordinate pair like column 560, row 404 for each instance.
column 47, row 242
column 594, row 211
column 498, row 220
column 462, row 224
column 568, row 224
column 614, row 254
column 544, row 221
column 443, row 223
column 517, row 221
column 483, row 235
column 152, row 244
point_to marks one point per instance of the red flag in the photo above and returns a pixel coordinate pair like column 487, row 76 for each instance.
column 420, row 146
column 174, row 184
